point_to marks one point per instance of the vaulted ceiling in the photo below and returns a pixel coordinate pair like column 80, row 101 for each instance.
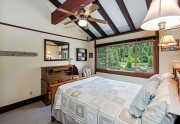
column 122, row 15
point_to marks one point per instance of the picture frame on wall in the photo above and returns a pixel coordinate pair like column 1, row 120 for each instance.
column 171, row 47
column 90, row 55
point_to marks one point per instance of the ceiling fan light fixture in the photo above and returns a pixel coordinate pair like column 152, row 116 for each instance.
column 162, row 15
column 82, row 23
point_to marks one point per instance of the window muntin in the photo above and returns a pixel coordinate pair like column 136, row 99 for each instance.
column 134, row 57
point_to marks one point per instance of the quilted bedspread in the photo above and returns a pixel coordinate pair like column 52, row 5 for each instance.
column 97, row 100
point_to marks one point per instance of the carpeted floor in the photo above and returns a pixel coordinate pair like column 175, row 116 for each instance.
column 36, row 113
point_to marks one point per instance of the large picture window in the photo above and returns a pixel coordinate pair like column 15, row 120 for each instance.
column 135, row 59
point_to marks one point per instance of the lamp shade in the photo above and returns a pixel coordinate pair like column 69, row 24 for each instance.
column 167, row 40
column 166, row 12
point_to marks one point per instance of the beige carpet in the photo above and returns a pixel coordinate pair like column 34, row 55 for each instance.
column 36, row 113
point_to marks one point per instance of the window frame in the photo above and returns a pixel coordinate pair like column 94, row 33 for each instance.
column 132, row 73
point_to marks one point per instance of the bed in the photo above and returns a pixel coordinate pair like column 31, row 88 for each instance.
column 94, row 100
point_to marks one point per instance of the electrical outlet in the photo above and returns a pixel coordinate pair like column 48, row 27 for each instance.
column 30, row 93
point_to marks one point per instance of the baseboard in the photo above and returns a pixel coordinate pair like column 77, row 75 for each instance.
column 19, row 104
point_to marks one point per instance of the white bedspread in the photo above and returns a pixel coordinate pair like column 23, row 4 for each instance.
column 97, row 100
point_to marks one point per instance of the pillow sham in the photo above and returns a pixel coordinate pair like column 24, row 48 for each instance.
column 155, row 77
column 143, row 98
column 164, row 106
column 166, row 76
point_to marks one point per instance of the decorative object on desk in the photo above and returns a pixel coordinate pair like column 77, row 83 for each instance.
column 70, row 60
column 171, row 47
column 162, row 15
column 81, row 54
column 59, row 50
column 90, row 55
column 16, row 53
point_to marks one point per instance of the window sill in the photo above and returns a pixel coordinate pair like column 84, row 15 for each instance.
column 126, row 73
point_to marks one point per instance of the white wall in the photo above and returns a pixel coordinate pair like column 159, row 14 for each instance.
column 91, row 61
column 36, row 14
column 21, row 75
column 164, row 57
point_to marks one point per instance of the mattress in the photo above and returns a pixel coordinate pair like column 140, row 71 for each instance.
column 95, row 100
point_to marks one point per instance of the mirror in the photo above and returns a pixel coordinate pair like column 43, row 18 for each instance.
column 56, row 50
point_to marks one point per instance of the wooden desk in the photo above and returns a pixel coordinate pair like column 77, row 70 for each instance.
column 53, row 75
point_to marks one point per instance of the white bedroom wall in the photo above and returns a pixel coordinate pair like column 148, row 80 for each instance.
column 164, row 57
column 21, row 75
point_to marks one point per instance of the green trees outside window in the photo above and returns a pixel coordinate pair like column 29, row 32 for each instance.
column 137, row 57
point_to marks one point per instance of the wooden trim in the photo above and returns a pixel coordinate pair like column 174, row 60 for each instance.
column 19, row 104
column 30, row 29
column 148, row 3
column 124, row 33
column 157, row 51
column 106, row 17
column 132, row 74
column 95, row 56
column 125, row 12
column 129, row 41
column 54, row 88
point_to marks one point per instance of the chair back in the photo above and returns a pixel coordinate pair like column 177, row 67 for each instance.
column 86, row 71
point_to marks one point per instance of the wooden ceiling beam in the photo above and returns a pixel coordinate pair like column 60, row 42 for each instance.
column 125, row 12
column 148, row 3
column 70, row 5
column 87, row 31
column 106, row 17
column 98, row 28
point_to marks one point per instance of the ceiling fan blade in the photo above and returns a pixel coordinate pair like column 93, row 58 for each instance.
column 86, row 27
column 68, row 22
column 97, row 20
column 93, row 8
column 65, row 11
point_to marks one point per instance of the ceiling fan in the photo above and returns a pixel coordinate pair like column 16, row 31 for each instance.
column 83, row 15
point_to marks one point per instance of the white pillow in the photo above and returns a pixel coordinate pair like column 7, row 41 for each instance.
column 166, row 103
column 143, row 98
column 155, row 77
column 166, row 75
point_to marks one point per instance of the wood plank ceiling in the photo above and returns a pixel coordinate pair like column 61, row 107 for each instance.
column 123, row 16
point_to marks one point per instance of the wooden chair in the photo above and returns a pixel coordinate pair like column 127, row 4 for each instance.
column 86, row 71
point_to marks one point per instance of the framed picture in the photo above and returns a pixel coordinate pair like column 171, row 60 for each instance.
column 90, row 55
column 171, row 47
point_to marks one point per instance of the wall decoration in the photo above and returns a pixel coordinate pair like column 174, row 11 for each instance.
column 59, row 51
column 171, row 47
column 81, row 54
column 16, row 53
column 90, row 55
